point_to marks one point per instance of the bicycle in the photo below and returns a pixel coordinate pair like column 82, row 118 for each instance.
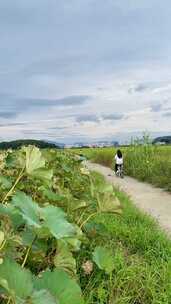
column 120, row 172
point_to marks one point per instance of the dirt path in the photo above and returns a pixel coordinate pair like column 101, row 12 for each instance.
column 152, row 200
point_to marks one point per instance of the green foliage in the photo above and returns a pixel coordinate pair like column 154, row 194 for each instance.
column 42, row 297
column 5, row 182
column 15, row 144
column 64, row 259
column 61, row 286
column 104, row 259
column 50, row 219
column 34, row 159
column 52, row 229
column 16, row 282
column 46, row 199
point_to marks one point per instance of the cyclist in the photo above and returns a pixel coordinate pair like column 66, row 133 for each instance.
column 118, row 160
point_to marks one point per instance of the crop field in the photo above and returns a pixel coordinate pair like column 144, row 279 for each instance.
column 146, row 162
column 68, row 237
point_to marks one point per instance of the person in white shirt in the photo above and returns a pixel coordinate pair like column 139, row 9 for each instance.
column 118, row 160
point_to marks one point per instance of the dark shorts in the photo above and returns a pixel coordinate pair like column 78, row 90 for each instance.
column 116, row 167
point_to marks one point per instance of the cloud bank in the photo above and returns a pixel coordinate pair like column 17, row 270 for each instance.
column 84, row 70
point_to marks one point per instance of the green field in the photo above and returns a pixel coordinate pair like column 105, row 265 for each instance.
column 67, row 237
column 146, row 162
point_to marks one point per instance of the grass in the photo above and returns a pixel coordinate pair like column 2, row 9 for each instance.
column 146, row 162
column 142, row 254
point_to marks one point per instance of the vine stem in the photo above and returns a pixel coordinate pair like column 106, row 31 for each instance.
column 13, row 187
column 27, row 252
column 89, row 217
column 79, row 220
column 9, row 300
column 3, row 244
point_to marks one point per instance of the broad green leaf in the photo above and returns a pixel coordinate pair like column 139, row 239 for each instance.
column 64, row 259
column 52, row 196
column 13, row 214
column 61, row 286
column 28, row 236
column 106, row 188
column 34, row 159
column 11, row 160
column 42, row 297
column 16, row 281
column 75, row 204
column 6, row 182
column 109, row 203
column 55, row 221
column 43, row 174
column 73, row 243
column 104, row 259
column 94, row 229
column 4, row 210
column 49, row 218
column 30, row 211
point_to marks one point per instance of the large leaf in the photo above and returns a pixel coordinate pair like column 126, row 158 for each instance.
column 109, row 203
column 55, row 221
column 93, row 229
column 64, row 259
column 104, row 259
column 15, row 281
column 29, row 210
column 42, row 297
column 49, row 218
column 6, row 182
column 45, row 175
column 38, row 246
column 61, row 286
column 106, row 188
column 74, row 243
column 51, row 196
column 34, row 159
column 75, row 204
column 13, row 214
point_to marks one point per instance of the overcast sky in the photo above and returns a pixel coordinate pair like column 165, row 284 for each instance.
column 74, row 70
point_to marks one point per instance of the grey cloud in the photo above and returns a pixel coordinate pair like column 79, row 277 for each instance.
column 87, row 118
column 113, row 116
column 140, row 88
column 156, row 107
column 12, row 124
column 58, row 128
column 13, row 106
column 167, row 114
column 94, row 118
column 7, row 115
column 66, row 101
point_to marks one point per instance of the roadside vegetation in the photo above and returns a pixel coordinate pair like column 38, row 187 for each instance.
column 145, row 162
column 66, row 236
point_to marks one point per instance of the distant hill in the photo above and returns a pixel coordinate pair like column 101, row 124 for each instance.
column 15, row 144
column 163, row 140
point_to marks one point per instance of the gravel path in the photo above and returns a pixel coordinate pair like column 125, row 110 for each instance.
column 152, row 200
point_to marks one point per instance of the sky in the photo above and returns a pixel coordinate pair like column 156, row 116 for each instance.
column 84, row 70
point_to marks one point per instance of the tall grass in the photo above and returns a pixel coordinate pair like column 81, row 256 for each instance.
column 151, row 164
column 144, row 162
